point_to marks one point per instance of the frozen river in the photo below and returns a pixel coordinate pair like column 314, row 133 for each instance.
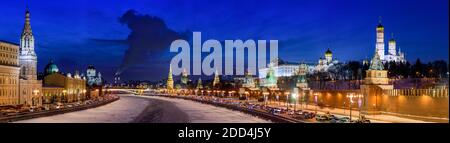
column 152, row 109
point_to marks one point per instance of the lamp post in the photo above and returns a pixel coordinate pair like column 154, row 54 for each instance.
column 84, row 93
column 315, row 100
column 278, row 98
column 351, row 96
column 294, row 95
column 265, row 98
column 35, row 92
column 64, row 94
column 287, row 100
column 246, row 95
column 359, row 104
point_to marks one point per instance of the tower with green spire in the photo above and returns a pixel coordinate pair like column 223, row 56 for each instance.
column 376, row 75
column 376, row 63
column 199, row 84
column 184, row 78
column 270, row 80
column 216, row 79
column 301, row 78
column 170, row 79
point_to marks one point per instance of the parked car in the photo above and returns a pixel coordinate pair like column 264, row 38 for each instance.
column 321, row 118
column 276, row 111
column 362, row 120
column 59, row 105
column 344, row 120
column 308, row 115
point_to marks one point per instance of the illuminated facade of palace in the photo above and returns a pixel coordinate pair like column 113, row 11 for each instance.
column 281, row 69
column 58, row 87
column 284, row 69
column 64, row 88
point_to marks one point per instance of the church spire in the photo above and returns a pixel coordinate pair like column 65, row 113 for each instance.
column 27, row 55
column 379, row 22
column 376, row 63
column 27, row 27
column 170, row 79
column 216, row 78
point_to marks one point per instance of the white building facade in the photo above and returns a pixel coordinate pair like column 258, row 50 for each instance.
column 392, row 55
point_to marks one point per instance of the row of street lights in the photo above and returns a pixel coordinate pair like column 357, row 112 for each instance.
column 293, row 95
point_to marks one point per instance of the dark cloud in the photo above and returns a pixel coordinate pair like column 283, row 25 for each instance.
column 149, row 36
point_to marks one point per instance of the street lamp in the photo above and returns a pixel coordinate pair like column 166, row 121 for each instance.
column 246, row 95
column 294, row 95
column 64, row 94
column 265, row 98
column 35, row 92
column 315, row 100
column 278, row 98
column 84, row 93
column 287, row 100
column 351, row 96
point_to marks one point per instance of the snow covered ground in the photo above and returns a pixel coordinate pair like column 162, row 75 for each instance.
column 151, row 109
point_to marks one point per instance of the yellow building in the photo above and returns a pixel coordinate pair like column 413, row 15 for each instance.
column 64, row 88
column 9, row 74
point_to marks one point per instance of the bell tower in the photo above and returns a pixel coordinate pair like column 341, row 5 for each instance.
column 27, row 55
column 380, row 40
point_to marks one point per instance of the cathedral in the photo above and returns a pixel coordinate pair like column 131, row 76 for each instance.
column 325, row 63
column 93, row 79
column 392, row 55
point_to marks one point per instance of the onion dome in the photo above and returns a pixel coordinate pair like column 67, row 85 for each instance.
column 91, row 67
column 51, row 68
column 328, row 52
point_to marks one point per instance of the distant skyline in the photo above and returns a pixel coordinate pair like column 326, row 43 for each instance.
column 76, row 33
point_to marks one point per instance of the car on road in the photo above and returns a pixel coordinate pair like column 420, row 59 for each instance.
column 308, row 115
column 59, row 105
column 344, row 120
column 276, row 111
column 362, row 120
column 321, row 117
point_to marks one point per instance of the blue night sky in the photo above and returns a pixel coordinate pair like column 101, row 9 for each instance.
column 76, row 33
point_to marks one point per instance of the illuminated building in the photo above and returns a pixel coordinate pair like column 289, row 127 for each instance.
column 18, row 75
column 93, row 79
column 325, row 63
column 199, row 84
column 249, row 81
column 9, row 74
column 64, row 88
column 30, row 88
column 270, row 81
column 376, row 75
column 301, row 79
column 184, row 78
column 380, row 47
column 216, row 79
column 170, row 79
